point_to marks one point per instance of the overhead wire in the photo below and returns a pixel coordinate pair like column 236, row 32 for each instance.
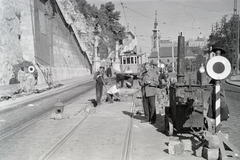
column 191, row 16
column 171, row 24
column 153, row 18
column 124, row 12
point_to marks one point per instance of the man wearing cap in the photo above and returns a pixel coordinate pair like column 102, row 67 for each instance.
column 149, row 82
column 218, row 49
column 98, row 76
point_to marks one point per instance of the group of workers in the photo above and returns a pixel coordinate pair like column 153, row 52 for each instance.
column 112, row 92
column 150, row 79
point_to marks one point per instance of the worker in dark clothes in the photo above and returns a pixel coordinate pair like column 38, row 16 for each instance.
column 129, row 83
column 109, row 73
column 119, row 78
column 98, row 76
column 162, row 78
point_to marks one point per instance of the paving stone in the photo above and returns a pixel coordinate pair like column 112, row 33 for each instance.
column 210, row 154
column 198, row 152
column 187, row 143
column 175, row 147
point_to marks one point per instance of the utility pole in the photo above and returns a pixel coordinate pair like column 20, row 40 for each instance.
column 237, row 45
column 50, row 17
column 236, row 36
column 157, row 50
column 172, row 55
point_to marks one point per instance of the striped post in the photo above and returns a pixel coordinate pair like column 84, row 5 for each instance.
column 217, row 106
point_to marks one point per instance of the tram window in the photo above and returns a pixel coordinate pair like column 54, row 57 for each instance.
column 124, row 60
column 132, row 60
column 128, row 60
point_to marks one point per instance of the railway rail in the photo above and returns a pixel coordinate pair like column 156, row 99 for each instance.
column 126, row 150
column 44, row 112
column 128, row 139
column 48, row 154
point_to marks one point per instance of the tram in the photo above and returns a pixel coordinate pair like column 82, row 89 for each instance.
column 130, row 63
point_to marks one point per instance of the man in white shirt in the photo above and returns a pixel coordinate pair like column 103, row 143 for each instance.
column 113, row 92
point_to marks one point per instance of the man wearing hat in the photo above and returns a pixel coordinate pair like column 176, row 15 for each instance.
column 218, row 49
column 98, row 76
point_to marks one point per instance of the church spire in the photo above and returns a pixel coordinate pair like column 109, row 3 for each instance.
column 155, row 34
column 212, row 29
column 155, row 23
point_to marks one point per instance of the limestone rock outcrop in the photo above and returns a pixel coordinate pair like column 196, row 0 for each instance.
column 10, row 49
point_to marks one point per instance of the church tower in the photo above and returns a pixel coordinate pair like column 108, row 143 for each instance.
column 155, row 42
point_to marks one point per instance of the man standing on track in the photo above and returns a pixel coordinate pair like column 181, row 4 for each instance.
column 98, row 76
column 119, row 78
column 149, row 82
column 109, row 73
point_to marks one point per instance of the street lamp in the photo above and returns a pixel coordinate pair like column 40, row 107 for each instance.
column 96, row 59
column 50, row 18
column 202, row 69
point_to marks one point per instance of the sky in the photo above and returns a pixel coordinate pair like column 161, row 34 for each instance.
column 191, row 17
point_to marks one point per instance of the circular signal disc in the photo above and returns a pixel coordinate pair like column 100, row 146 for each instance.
column 218, row 67
column 31, row 69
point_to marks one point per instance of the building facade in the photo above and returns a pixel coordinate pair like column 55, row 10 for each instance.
column 201, row 41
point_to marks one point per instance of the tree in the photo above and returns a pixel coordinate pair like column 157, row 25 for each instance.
column 111, row 28
column 223, row 34
column 107, row 19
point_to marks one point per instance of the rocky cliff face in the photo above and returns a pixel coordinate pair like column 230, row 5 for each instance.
column 22, row 39
column 82, row 28
column 10, row 49
column 16, row 42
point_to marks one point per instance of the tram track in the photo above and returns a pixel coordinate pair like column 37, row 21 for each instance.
column 44, row 112
column 67, row 131
column 37, row 97
column 126, row 149
column 54, row 149
column 128, row 138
